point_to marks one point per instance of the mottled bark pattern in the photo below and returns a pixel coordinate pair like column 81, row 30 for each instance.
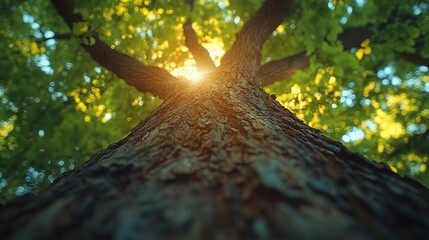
column 223, row 160
column 220, row 159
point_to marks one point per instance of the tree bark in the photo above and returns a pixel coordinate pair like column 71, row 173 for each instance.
column 282, row 69
column 223, row 160
column 144, row 78
column 201, row 55
column 245, row 54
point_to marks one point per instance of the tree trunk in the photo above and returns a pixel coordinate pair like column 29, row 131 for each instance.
column 223, row 160
column 220, row 159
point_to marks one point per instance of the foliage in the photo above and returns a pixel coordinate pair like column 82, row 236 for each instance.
column 58, row 106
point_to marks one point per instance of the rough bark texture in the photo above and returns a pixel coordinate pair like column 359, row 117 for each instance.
column 246, row 52
column 201, row 55
column 144, row 78
column 281, row 69
column 223, row 160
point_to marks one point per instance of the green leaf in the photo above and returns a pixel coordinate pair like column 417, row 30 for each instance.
column 80, row 28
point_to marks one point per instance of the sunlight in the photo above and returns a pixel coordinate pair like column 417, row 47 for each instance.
column 191, row 73
column 216, row 50
column 188, row 71
column 106, row 117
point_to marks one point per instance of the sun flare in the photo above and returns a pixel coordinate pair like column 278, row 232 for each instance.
column 191, row 73
column 189, row 70
column 216, row 50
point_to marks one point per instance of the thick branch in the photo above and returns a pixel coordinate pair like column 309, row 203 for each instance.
column 65, row 9
column 412, row 141
column 415, row 58
column 351, row 38
column 282, row 69
column 201, row 55
column 144, row 78
column 246, row 51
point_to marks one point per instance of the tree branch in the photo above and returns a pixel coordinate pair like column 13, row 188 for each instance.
column 412, row 141
column 201, row 55
column 283, row 68
column 57, row 36
column 351, row 38
column 415, row 58
column 246, row 51
column 144, row 78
